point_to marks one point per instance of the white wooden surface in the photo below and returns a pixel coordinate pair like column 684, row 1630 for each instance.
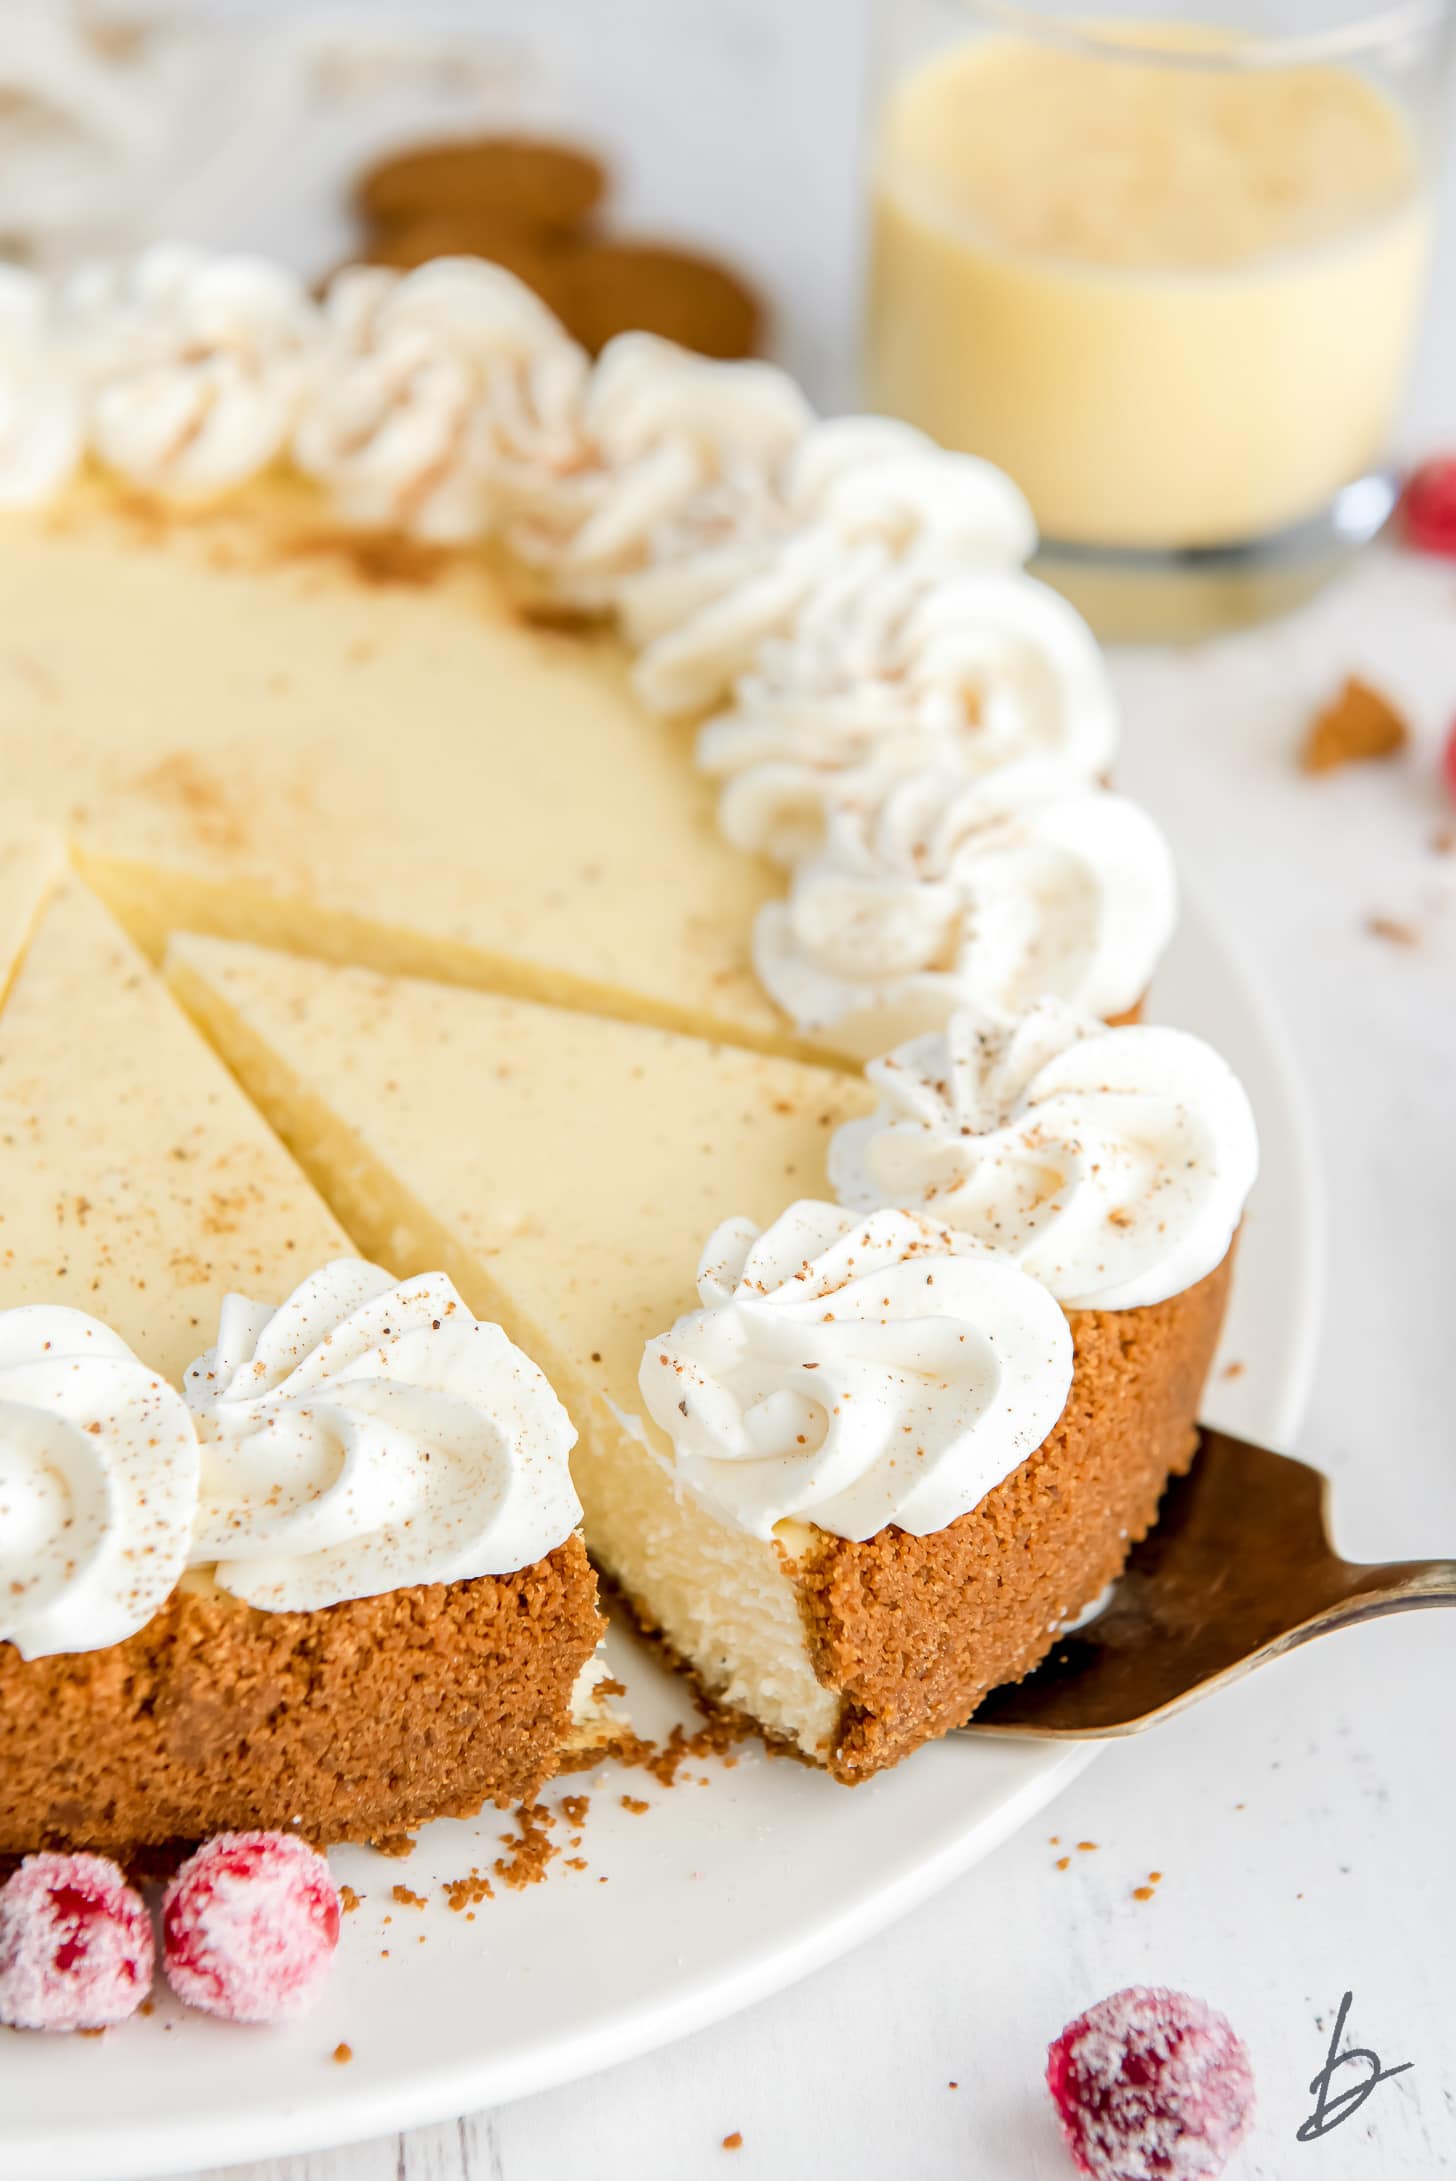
column 1302, row 1821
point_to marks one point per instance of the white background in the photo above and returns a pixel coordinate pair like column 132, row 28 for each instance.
column 1303, row 1821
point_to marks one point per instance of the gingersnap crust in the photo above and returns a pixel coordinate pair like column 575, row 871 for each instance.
column 354, row 1722
column 916, row 1630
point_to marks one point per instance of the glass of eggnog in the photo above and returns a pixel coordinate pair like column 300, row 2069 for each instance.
column 1167, row 272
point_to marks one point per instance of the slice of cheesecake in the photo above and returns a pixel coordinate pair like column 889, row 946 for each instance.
column 567, row 1171
column 369, row 750
column 138, row 1186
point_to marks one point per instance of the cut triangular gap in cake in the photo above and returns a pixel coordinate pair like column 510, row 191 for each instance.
column 139, row 1190
column 568, row 1171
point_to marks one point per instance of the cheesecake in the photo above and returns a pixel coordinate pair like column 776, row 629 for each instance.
column 214, row 1616
column 571, row 1173
column 547, row 781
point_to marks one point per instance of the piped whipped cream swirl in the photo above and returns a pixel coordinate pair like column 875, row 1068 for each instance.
column 858, row 497
column 41, row 428
column 1113, row 1164
column 895, row 667
column 854, row 1372
column 193, row 367
column 988, row 895
column 367, row 1435
column 98, row 1484
column 673, row 482
column 444, row 397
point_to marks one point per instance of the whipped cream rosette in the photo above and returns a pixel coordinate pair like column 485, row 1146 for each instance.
column 98, row 1484
column 369, row 1434
column 1113, row 1164
column 954, row 894
column 892, row 667
column 41, row 425
column 673, row 481
column 858, row 496
column 193, row 367
column 853, row 1372
column 442, row 396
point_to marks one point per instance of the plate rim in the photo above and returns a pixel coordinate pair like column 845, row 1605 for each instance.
column 380, row 2106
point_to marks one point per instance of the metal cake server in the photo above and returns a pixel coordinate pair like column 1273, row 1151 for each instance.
column 1238, row 1570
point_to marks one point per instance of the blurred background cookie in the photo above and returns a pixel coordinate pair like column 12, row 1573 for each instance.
column 541, row 184
column 532, row 205
column 619, row 287
column 533, row 254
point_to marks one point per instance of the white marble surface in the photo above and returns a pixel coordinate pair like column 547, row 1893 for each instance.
column 1302, row 1821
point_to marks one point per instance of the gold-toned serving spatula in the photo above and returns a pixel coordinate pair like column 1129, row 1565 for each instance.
column 1238, row 1570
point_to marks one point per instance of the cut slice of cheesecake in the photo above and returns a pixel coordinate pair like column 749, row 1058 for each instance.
column 366, row 750
column 138, row 1185
column 567, row 1171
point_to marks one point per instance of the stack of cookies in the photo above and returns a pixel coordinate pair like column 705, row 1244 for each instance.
column 536, row 207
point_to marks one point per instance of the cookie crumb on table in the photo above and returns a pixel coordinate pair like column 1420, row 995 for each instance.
column 734, row 2142
column 343, row 2054
column 1355, row 726
column 1393, row 929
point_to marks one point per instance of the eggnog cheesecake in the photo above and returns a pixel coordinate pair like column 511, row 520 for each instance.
column 395, row 631
column 283, row 1540
column 862, row 1474
column 547, row 781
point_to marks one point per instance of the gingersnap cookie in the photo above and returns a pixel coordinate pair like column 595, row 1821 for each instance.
column 531, row 254
column 618, row 287
column 542, row 185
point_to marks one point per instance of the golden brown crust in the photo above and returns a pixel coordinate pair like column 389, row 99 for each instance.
column 916, row 1630
column 352, row 1723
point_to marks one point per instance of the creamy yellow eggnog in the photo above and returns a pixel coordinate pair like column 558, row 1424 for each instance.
column 1174, row 301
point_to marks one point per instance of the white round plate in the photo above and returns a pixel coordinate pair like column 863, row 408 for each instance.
column 716, row 1895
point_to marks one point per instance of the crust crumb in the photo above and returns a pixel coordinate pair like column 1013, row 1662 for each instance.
column 395, row 1845
column 1356, row 725
column 734, row 2142
column 349, row 1900
column 1392, row 929
column 343, row 2054
column 530, row 1847
column 467, row 1891
column 406, row 1899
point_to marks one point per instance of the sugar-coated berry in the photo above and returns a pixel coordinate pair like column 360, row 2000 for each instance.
column 1428, row 510
column 76, row 1947
column 1151, row 2085
column 249, row 1927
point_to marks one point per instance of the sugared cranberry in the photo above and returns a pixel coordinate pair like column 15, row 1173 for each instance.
column 1150, row 2084
column 249, row 1927
column 76, row 1949
column 1428, row 510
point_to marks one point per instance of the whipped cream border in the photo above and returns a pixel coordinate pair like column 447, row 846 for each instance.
column 700, row 503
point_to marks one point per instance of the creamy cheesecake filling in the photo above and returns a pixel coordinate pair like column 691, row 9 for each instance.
column 727, row 1603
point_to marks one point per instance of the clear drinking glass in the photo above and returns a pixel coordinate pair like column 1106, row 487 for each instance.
column 1166, row 273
